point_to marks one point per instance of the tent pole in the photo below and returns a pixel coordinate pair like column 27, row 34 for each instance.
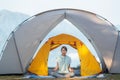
column 17, row 52
column 115, row 51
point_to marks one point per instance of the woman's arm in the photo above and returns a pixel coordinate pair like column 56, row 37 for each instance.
column 56, row 68
column 70, row 69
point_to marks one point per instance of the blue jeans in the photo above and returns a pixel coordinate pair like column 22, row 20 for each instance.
column 62, row 75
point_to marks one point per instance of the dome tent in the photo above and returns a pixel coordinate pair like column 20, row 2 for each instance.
column 24, row 41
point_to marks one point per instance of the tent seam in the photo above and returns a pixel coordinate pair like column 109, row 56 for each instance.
column 115, row 50
column 17, row 52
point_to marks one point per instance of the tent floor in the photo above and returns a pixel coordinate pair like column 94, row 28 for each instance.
column 19, row 77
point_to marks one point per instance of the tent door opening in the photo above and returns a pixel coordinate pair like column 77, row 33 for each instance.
column 89, row 64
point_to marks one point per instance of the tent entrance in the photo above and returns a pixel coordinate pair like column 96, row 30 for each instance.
column 72, row 53
column 89, row 64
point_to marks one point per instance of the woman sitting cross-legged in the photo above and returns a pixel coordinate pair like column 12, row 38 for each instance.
column 63, row 68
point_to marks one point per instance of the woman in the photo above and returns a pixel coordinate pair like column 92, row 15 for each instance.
column 63, row 68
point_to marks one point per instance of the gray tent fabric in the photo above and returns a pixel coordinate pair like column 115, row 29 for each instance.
column 100, row 33
column 30, row 35
column 27, row 37
column 10, row 62
column 116, row 59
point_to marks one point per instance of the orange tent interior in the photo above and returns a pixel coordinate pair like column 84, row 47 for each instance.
column 89, row 64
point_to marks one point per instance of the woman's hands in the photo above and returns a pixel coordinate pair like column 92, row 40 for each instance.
column 56, row 68
column 71, row 70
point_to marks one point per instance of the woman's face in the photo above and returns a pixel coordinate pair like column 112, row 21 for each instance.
column 63, row 52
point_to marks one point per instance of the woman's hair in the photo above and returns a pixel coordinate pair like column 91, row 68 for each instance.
column 64, row 47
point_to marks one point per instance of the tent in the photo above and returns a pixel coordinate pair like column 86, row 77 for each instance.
column 24, row 40
column 89, row 65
